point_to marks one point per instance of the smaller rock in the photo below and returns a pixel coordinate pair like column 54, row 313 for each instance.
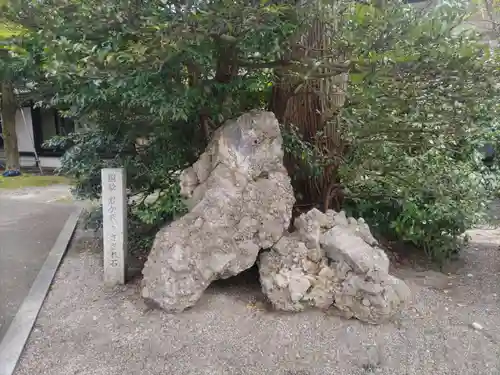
column 308, row 282
column 332, row 260
column 298, row 287
column 341, row 245
column 341, row 219
column 477, row 326
column 365, row 233
column 281, row 280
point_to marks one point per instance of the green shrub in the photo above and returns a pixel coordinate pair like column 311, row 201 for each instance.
column 159, row 72
column 412, row 125
column 438, row 200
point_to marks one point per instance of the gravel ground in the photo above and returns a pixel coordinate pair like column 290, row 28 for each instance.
column 87, row 330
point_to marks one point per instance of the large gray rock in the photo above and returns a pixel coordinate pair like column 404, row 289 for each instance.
column 240, row 200
column 295, row 274
column 331, row 260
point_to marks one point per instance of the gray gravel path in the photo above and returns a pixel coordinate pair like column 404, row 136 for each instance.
column 84, row 329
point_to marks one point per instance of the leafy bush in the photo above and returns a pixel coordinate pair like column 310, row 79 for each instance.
column 439, row 201
column 152, row 171
column 151, row 84
column 412, row 125
column 414, row 171
column 420, row 99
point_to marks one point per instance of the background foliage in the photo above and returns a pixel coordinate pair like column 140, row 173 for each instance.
column 151, row 80
column 416, row 173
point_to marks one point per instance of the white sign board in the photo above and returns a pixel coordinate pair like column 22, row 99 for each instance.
column 114, row 207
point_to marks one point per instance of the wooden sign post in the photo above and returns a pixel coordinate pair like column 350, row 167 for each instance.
column 114, row 207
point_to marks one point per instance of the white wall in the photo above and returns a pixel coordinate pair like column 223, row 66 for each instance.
column 45, row 161
column 50, row 161
column 25, row 138
column 24, row 130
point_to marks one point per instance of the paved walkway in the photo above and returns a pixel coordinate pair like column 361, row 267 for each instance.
column 29, row 226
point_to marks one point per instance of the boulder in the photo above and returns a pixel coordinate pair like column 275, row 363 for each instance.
column 294, row 273
column 331, row 261
column 240, row 201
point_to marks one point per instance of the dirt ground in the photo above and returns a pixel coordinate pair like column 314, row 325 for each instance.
column 452, row 326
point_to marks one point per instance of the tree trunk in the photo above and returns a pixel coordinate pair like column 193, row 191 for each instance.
column 312, row 107
column 8, row 110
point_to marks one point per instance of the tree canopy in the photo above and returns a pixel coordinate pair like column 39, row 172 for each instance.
column 151, row 81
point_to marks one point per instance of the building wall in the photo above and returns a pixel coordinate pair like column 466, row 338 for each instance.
column 48, row 124
column 45, row 162
column 25, row 138
column 24, row 130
